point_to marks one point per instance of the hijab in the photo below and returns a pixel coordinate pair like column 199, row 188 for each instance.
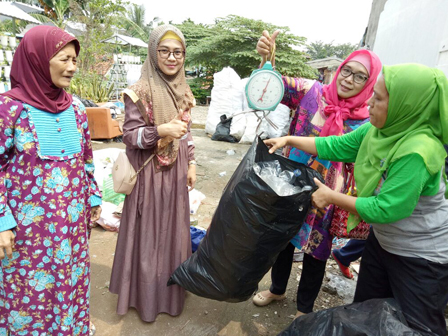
column 30, row 72
column 167, row 95
column 416, row 123
column 338, row 109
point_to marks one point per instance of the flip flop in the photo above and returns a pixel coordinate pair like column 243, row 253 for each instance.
column 344, row 269
column 261, row 301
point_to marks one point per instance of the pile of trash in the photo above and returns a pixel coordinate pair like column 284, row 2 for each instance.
column 229, row 117
column 112, row 205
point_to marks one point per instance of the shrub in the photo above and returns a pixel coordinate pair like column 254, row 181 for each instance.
column 201, row 88
column 91, row 87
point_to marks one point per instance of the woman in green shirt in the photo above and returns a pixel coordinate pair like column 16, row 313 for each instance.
column 399, row 161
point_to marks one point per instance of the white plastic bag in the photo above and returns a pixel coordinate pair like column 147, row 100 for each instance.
column 104, row 159
column 225, row 98
column 250, row 131
column 238, row 125
column 281, row 118
column 108, row 220
column 196, row 197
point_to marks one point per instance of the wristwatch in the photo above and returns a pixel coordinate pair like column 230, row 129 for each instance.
column 192, row 162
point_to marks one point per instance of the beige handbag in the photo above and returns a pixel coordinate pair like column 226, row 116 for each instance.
column 124, row 175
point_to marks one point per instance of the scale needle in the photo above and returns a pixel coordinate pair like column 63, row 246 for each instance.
column 264, row 91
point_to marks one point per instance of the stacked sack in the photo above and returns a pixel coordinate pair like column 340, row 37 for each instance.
column 229, row 99
column 225, row 98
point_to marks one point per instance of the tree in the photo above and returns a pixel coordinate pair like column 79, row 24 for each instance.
column 97, row 17
column 134, row 22
column 194, row 33
column 56, row 12
column 319, row 50
column 137, row 15
column 232, row 40
column 13, row 26
column 343, row 50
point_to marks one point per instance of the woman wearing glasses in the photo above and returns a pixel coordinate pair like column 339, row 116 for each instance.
column 154, row 237
column 320, row 110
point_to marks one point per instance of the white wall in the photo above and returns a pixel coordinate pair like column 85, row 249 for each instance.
column 414, row 31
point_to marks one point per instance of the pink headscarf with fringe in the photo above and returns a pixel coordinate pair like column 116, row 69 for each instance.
column 338, row 110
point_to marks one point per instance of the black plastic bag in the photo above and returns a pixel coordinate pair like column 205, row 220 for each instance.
column 250, row 227
column 376, row 317
column 222, row 132
column 86, row 102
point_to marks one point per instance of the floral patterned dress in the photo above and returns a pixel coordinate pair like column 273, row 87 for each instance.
column 306, row 99
column 44, row 288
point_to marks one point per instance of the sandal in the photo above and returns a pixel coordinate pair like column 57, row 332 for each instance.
column 298, row 314
column 260, row 300
column 92, row 329
column 344, row 269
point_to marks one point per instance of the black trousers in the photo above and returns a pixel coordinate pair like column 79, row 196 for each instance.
column 350, row 251
column 313, row 272
column 419, row 286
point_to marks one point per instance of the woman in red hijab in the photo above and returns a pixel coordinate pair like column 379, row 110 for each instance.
column 48, row 194
column 320, row 110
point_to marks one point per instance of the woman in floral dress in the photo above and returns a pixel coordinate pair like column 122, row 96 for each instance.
column 47, row 192
column 320, row 111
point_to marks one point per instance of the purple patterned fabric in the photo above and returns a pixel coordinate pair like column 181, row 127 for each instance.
column 44, row 288
column 305, row 97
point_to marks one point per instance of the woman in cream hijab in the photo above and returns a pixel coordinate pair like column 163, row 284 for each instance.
column 154, row 236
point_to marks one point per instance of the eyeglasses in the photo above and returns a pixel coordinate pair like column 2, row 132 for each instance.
column 357, row 77
column 164, row 53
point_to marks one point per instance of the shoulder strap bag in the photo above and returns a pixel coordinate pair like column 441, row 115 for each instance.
column 124, row 175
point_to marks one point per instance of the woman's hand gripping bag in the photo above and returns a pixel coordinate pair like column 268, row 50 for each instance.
column 251, row 226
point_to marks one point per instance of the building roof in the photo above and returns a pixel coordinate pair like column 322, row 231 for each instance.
column 27, row 8
column 327, row 62
column 126, row 40
column 9, row 11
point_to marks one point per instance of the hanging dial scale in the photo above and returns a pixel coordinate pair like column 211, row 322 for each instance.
column 264, row 89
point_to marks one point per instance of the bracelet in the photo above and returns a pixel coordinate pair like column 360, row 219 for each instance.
column 192, row 162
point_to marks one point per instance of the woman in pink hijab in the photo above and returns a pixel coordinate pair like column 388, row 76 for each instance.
column 320, row 110
column 48, row 194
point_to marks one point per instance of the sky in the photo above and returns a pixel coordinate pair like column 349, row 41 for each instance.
column 337, row 21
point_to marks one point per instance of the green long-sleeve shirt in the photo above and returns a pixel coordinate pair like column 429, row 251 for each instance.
column 406, row 179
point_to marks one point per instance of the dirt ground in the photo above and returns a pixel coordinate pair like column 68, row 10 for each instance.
column 200, row 317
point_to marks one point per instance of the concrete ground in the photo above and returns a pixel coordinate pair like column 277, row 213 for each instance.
column 200, row 317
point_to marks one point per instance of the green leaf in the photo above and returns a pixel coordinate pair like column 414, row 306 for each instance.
column 232, row 40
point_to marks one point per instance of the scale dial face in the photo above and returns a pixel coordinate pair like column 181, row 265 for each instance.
column 264, row 90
